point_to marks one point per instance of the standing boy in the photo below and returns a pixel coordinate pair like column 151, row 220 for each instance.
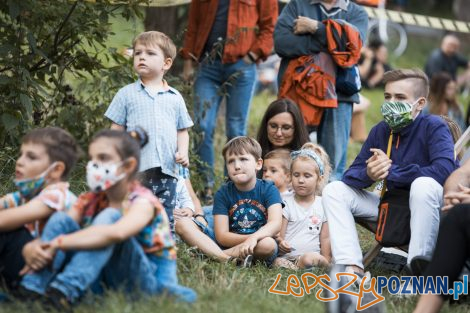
column 160, row 110
column 247, row 211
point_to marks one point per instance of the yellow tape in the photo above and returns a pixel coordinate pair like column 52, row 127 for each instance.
column 394, row 16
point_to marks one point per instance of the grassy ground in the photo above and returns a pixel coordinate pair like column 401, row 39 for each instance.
column 226, row 288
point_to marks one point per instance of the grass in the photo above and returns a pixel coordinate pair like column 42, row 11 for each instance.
column 226, row 288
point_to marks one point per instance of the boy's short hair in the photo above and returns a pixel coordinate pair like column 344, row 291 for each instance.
column 59, row 144
column 280, row 154
column 159, row 39
column 418, row 76
column 240, row 145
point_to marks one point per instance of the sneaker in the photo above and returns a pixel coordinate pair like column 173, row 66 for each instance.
column 25, row 295
column 248, row 261
column 4, row 298
column 55, row 299
column 419, row 264
column 243, row 263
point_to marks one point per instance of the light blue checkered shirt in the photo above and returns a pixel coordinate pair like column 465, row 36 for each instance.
column 161, row 114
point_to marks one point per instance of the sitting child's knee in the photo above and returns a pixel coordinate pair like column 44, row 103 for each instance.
column 184, row 225
column 266, row 247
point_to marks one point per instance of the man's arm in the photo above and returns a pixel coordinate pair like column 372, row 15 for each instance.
column 289, row 45
column 460, row 176
column 191, row 32
column 263, row 45
column 456, row 187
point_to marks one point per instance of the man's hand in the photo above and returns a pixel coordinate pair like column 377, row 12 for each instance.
column 35, row 256
column 305, row 25
column 284, row 247
column 188, row 70
column 182, row 158
column 247, row 247
column 378, row 165
column 457, row 197
column 182, row 212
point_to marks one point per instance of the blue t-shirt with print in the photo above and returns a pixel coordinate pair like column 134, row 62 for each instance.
column 247, row 210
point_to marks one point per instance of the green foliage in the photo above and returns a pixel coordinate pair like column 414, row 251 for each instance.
column 55, row 66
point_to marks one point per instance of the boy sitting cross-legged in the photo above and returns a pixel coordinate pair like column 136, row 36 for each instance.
column 247, row 211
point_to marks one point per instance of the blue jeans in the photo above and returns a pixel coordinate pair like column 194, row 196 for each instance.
column 124, row 264
column 215, row 80
column 333, row 135
column 209, row 229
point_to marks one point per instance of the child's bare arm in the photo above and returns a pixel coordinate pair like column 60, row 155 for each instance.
column 222, row 233
column 284, row 246
column 273, row 226
column 181, row 156
column 31, row 211
column 325, row 245
column 117, row 127
column 139, row 215
column 282, row 233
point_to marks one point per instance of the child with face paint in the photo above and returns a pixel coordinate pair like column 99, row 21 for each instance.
column 304, row 239
column 47, row 156
column 125, row 240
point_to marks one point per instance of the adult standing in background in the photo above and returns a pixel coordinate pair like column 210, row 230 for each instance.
column 300, row 32
column 446, row 58
column 225, row 39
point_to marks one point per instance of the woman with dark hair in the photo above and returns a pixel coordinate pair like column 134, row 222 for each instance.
column 443, row 98
column 282, row 126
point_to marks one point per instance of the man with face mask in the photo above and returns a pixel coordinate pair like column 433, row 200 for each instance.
column 421, row 159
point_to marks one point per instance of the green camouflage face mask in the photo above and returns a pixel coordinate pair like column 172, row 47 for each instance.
column 397, row 114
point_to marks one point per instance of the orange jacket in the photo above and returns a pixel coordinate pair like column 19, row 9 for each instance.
column 250, row 27
column 309, row 81
column 343, row 41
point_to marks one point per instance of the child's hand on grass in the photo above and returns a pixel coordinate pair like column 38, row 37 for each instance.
column 182, row 158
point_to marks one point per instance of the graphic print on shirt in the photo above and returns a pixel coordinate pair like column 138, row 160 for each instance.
column 247, row 216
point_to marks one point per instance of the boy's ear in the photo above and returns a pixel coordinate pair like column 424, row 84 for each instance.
column 259, row 164
column 168, row 62
column 57, row 171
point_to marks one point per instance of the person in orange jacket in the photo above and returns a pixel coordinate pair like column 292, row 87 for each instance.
column 225, row 39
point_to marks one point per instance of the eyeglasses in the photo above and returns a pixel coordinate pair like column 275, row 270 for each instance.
column 274, row 128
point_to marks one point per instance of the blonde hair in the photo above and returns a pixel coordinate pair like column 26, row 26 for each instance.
column 158, row 39
column 322, row 179
column 419, row 78
column 280, row 154
column 240, row 145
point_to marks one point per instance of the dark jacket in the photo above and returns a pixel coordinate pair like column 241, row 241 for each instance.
column 424, row 148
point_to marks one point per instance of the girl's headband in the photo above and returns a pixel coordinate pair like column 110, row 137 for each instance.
column 309, row 153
